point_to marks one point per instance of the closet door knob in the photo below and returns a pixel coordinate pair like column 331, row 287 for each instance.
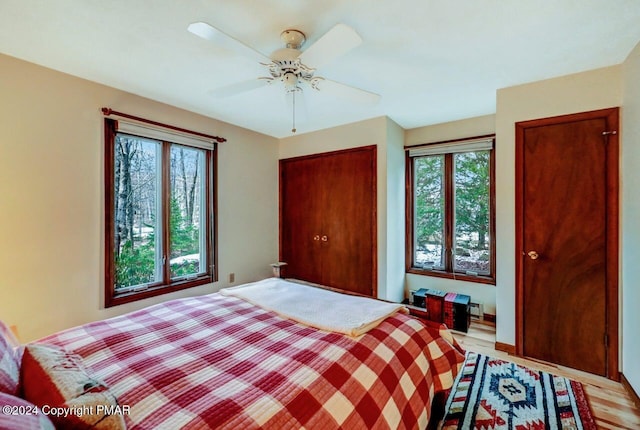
column 316, row 237
column 325, row 238
column 533, row 255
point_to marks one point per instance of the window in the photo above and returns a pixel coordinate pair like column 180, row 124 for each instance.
column 159, row 212
column 450, row 206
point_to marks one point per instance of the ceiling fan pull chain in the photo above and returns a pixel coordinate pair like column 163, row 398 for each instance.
column 293, row 129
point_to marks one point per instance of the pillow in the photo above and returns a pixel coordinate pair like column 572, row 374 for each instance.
column 17, row 413
column 52, row 378
column 9, row 367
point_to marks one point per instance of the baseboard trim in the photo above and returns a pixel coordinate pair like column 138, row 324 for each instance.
column 505, row 347
column 632, row 393
column 489, row 317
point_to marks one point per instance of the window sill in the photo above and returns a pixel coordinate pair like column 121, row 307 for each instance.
column 133, row 296
column 489, row 280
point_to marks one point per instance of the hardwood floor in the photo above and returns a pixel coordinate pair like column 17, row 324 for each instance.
column 610, row 403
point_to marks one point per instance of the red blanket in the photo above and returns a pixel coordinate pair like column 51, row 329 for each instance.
column 220, row 362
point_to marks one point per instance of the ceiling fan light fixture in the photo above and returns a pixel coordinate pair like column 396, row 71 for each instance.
column 290, row 81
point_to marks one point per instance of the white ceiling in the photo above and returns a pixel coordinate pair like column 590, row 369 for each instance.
column 431, row 60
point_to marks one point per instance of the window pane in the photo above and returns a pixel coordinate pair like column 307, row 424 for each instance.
column 429, row 212
column 136, row 214
column 187, row 245
column 472, row 205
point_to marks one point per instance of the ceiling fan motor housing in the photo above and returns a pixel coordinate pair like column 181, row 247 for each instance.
column 286, row 65
column 285, row 54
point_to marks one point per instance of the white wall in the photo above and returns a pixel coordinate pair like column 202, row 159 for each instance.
column 395, row 202
column 596, row 89
column 362, row 133
column 51, row 198
column 479, row 126
column 386, row 136
column 630, row 219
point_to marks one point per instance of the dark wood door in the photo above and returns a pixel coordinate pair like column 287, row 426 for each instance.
column 328, row 219
column 565, row 248
column 348, row 221
column 301, row 219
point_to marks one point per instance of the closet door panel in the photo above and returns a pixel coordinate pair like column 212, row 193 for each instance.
column 328, row 219
column 349, row 215
column 301, row 221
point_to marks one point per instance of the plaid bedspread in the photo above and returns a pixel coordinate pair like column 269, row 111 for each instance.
column 219, row 362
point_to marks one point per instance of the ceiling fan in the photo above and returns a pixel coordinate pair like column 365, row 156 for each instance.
column 294, row 68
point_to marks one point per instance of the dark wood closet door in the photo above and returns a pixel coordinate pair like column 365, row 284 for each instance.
column 301, row 219
column 328, row 219
column 348, row 217
column 564, row 259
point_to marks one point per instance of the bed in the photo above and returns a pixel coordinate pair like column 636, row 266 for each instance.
column 220, row 361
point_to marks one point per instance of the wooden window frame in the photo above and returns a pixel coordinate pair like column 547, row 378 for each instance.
column 448, row 179
column 167, row 285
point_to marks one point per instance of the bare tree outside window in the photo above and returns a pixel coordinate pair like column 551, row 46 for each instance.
column 186, row 185
column 159, row 217
column 136, row 213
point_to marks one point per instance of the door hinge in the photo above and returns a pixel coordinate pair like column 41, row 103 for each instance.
column 606, row 340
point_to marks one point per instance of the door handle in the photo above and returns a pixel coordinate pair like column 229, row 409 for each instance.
column 316, row 237
column 325, row 238
column 533, row 255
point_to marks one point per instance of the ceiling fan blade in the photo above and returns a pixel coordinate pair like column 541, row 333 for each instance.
column 239, row 87
column 347, row 92
column 334, row 43
column 212, row 34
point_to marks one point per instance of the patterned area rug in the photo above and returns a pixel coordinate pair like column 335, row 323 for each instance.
column 492, row 394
